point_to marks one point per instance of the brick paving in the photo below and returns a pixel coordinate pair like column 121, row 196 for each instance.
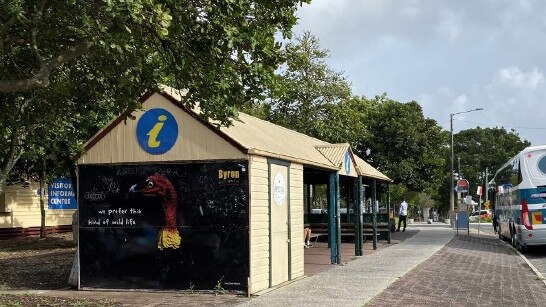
column 317, row 260
column 475, row 270
column 361, row 279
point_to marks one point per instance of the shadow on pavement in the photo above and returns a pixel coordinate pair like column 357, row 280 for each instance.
column 317, row 258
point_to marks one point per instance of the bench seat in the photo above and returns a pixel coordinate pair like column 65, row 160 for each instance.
column 347, row 230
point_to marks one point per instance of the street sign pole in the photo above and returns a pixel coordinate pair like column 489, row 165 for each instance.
column 480, row 208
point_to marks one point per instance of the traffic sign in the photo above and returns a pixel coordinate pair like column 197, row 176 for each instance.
column 462, row 185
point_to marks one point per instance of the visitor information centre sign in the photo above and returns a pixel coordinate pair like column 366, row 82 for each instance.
column 60, row 194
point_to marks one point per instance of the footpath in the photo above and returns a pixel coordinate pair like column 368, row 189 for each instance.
column 433, row 267
column 472, row 270
column 360, row 280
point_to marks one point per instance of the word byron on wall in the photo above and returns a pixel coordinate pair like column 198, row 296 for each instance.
column 166, row 226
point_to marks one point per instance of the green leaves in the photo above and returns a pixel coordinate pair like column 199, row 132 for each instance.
column 404, row 144
column 305, row 96
column 479, row 148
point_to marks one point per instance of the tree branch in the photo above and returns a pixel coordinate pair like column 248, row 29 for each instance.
column 5, row 27
column 34, row 33
column 41, row 78
column 14, row 153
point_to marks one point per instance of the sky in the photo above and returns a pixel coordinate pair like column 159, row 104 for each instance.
column 449, row 56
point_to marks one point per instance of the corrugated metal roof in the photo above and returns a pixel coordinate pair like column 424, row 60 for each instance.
column 260, row 137
column 333, row 152
column 265, row 138
column 366, row 170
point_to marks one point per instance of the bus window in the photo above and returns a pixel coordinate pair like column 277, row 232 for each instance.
column 520, row 177
column 514, row 173
column 542, row 165
column 503, row 176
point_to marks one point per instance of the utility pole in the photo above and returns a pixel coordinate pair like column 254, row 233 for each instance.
column 451, row 180
column 459, row 167
column 486, row 186
column 451, row 196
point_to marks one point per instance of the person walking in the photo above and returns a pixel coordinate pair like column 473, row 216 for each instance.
column 402, row 214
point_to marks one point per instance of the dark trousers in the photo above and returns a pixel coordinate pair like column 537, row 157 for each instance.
column 495, row 223
column 400, row 219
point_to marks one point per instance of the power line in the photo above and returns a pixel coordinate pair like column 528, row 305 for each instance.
column 514, row 127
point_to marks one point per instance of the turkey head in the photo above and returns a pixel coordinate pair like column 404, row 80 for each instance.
column 159, row 186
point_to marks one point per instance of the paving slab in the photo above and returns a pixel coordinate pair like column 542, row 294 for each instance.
column 360, row 280
column 472, row 270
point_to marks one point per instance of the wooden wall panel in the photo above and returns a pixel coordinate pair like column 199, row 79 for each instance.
column 296, row 219
column 23, row 206
column 259, row 224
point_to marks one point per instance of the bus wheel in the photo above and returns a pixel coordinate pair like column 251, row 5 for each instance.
column 513, row 239
column 522, row 248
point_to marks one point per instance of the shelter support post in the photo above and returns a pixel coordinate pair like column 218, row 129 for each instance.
column 358, row 202
column 389, row 213
column 334, row 231
column 374, row 213
column 338, row 221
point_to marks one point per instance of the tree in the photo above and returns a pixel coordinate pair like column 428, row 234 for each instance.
column 481, row 148
column 104, row 54
column 215, row 50
column 346, row 122
column 48, row 138
column 307, row 92
column 404, row 144
column 35, row 122
column 424, row 203
column 314, row 99
column 478, row 149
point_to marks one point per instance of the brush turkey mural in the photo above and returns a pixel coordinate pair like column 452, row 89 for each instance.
column 168, row 226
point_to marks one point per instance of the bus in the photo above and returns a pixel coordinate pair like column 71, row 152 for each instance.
column 520, row 198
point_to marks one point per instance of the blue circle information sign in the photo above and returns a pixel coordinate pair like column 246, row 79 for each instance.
column 157, row 131
column 347, row 162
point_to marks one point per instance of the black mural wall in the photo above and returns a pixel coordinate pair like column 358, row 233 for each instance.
column 168, row 226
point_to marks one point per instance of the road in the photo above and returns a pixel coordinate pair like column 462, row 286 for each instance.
column 536, row 254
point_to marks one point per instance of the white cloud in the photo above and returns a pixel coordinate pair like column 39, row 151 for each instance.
column 514, row 77
column 460, row 101
column 451, row 56
column 450, row 25
column 444, row 90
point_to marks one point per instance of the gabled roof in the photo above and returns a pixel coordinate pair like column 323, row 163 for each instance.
column 265, row 138
column 366, row 170
column 333, row 152
column 254, row 136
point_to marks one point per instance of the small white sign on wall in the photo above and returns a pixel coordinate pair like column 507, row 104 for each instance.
column 278, row 189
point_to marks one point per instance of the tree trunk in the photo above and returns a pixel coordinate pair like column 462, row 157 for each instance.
column 74, row 178
column 72, row 167
column 42, row 207
column 15, row 151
